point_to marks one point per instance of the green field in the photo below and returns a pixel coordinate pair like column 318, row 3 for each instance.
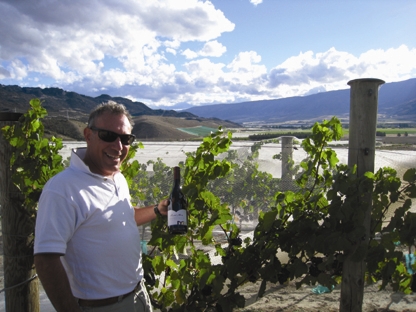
column 198, row 131
column 397, row 130
column 388, row 131
column 202, row 131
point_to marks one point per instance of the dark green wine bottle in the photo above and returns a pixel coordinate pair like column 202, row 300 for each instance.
column 178, row 207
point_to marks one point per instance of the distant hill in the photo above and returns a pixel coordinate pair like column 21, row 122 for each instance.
column 68, row 113
column 60, row 102
column 397, row 100
column 146, row 128
column 69, row 110
column 169, row 128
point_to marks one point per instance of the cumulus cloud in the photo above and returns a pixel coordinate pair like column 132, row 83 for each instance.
column 256, row 2
column 332, row 69
column 70, row 37
column 164, row 52
column 210, row 49
column 189, row 54
column 213, row 48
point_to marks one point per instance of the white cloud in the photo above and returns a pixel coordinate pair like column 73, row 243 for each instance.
column 174, row 44
column 333, row 69
column 246, row 79
column 244, row 60
column 69, row 37
column 256, row 2
column 213, row 48
column 204, row 68
column 171, row 51
column 18, row 70
column 210, row 49
column 184, row 20
column 71, row 41
column 395, row 64
column 189, row 54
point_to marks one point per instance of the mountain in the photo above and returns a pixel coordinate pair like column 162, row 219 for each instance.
column 397, row 100
column 60, row 102
column 68, row 113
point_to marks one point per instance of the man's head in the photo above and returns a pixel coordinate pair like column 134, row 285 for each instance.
column 108, row 137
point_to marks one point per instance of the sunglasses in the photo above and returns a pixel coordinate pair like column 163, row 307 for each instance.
column 110, row 136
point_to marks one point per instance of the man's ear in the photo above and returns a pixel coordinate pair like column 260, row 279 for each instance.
column 87, row 134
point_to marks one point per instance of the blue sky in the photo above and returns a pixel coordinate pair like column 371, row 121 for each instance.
column 165, row 52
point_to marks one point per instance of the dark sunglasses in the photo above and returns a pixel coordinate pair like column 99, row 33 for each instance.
column 110, row 136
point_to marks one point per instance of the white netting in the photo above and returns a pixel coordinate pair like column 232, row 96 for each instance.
column 172, row 153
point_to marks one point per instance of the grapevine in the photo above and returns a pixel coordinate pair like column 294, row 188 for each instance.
column 317, row 224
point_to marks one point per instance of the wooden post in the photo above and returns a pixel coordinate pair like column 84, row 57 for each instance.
column 287, row 158
column 361, row 152
column 20, row 282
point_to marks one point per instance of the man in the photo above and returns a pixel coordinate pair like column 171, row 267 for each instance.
column 87, row 244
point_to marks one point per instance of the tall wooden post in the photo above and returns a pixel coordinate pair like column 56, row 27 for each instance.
column 361, row 152
column 287, row 158
column 21, row 286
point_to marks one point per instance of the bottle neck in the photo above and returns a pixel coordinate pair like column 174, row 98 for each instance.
column 176, row 176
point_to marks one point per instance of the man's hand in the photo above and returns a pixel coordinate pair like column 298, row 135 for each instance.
column 163, row 207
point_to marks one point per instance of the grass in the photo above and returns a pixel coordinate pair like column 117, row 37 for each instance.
column 388, row 131
column 398, row 130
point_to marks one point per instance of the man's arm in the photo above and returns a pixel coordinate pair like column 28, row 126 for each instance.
column 146, row 214
column 55, row 282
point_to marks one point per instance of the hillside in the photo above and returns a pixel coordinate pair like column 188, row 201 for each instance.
column 59, row 102
column 146, row 128
column 397, row 101
column 68, row 113
column 167, row 128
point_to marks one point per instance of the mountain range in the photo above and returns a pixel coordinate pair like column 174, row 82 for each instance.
column 60, row 102
column 396, row 101
column 68, row 113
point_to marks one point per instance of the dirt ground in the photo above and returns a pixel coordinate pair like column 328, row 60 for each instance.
column 286, row 298
column 289, row 299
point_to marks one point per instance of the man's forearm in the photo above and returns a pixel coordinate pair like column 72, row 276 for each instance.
column 146, row 214
column 55, row 282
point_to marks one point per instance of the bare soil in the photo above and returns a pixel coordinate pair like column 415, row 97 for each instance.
column 287, row 298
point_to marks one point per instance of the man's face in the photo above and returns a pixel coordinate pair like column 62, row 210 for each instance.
column 103, row 157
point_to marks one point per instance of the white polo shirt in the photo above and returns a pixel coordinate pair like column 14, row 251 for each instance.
column 89, row 219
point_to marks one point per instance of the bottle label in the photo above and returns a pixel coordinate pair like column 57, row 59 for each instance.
column 177, row 217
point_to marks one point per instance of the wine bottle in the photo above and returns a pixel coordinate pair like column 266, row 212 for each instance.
column 177, row 209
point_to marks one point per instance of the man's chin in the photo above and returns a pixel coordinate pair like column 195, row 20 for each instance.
column 112, row 169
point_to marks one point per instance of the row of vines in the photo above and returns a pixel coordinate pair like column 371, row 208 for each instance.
column 317, row 224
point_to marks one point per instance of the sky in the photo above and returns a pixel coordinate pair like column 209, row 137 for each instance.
column 171, row 52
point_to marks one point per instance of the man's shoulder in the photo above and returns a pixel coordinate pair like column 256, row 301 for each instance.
column 65, row 176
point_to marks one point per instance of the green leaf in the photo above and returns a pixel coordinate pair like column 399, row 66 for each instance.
column 300, row 268
column 267, row 220
column 410, row 175
column 326, row 280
